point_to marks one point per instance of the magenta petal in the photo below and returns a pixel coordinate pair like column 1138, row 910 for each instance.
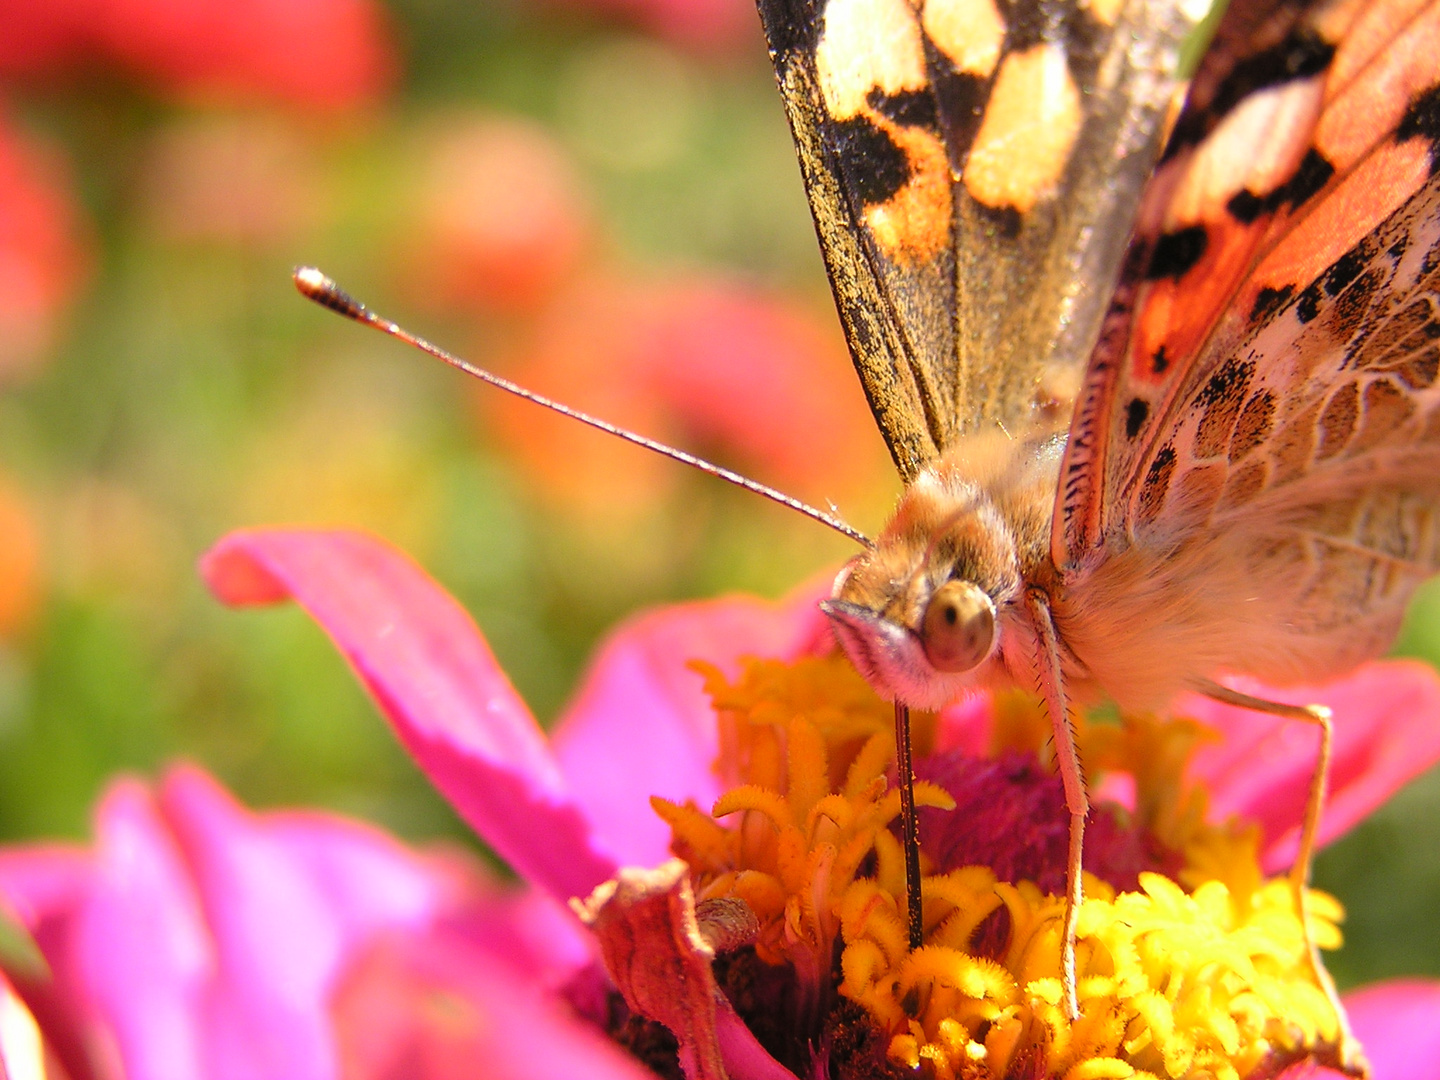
column 1387, row 732
column 143, row 954
column 287, row 908
column 45, row 888
column 1398, row 1023
column 642, row 724
column 433, row 1008
column 433, row 675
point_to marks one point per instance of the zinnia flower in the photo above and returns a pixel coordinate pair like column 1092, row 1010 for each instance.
column 1193, row 963
column 197, row 940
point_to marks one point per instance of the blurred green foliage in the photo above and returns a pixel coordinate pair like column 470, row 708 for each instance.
column 194, row 393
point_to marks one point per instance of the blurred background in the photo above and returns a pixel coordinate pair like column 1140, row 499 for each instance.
column 595, row 197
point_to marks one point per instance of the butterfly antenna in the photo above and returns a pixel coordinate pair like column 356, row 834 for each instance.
column 317, row 287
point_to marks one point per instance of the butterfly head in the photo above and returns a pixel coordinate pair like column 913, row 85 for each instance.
column 921, row 615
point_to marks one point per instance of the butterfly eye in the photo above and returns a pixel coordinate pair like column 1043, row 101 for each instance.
column 959, row 627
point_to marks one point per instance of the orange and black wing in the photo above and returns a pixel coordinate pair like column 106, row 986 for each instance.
column 974, row 167
column 1272, row 343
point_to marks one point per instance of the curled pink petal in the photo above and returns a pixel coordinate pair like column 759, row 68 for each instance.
column 1387, row 732
column 659, row 955
column 642, row 724
column 434, row 677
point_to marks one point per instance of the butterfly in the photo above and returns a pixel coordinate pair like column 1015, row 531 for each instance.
column 1152, row 332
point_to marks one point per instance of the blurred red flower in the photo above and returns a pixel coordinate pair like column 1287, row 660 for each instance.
column 43, row 256
column 321, row 54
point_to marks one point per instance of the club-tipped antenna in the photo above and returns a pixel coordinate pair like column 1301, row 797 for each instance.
column 317, row 287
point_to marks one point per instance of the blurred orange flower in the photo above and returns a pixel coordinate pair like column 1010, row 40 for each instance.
column 19, row 560
column 759, row 382
column 503, row 218
column 503, row 226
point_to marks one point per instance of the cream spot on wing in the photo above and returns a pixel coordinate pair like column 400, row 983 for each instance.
column 867, row 45
column 1257, row 147
column 1196, row 10
column 1029, row 127
column 969, row 32
column 1105, row 11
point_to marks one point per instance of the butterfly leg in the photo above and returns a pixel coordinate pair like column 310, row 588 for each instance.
column 1350, row 1056
column 1052, row 688
column 909, row 826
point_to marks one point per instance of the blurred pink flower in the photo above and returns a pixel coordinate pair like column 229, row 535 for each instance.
column 566, row 812
column 707, row 27
column 198, row 940
column 322, row 54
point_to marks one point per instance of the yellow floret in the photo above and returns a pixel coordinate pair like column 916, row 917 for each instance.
column 1207, row 977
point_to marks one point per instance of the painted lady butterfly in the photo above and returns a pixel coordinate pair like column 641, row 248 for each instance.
column 1161, row 379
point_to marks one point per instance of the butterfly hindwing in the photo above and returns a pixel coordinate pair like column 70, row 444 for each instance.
column 973, row 168
column 1291, row 161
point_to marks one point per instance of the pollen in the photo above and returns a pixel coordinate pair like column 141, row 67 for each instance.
column 1189, row 962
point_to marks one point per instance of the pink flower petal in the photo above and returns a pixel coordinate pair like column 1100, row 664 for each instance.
column 1387, row 732
column 432, row 674
column 1398, row 1023
column 285, row 917
column 142, row 953
column 22, row 1052
column 642, row 724
column 434, row 1009
column 46, row 887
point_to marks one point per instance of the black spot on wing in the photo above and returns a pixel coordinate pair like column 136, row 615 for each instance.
column 1308, row 306
column 1300, row 55
column 1156, row 484
column 1136, row 413
column 1160, row 362
column 1006, row 219
column 960, row 98
column 1228, row 383
column 1268, row 301
column 1176, row 252
column 909, row 108
column 1344, row 270
column 1422, row 121
column 870, row 160
column 1312, row 175
column 1065, row 23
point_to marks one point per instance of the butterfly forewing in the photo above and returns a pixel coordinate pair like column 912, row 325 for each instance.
column 973, row 168
column 1287, row 156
